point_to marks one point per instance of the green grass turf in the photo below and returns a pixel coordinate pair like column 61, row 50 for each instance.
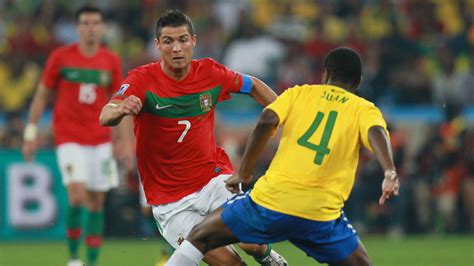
column 420, row 250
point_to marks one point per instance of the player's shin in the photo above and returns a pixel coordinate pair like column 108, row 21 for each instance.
column 95, row 228
column 74, row 230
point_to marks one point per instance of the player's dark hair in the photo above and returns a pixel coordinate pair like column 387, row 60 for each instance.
column 88, row 9
column 173, row 18
column 344, row 65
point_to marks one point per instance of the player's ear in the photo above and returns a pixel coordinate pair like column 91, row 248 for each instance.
column 325, row 77
column 157, row 42
column 194, row 39
column 357, row 84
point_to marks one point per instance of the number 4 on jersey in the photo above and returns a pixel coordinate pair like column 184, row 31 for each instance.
column 322, row 148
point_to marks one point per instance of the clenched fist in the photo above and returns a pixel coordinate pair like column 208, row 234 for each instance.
column 131, row 105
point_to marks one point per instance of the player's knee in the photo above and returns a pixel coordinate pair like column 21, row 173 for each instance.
column 361, row 258
column 364, row 260
column 94, row 206
column 77, row 199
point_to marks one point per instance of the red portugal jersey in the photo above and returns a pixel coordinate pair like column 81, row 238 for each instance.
column 83, row 85
column 176, row 150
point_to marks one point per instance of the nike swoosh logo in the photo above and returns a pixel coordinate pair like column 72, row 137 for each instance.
column 158, row 107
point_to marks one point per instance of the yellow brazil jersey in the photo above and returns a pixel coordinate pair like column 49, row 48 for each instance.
column 313, row 170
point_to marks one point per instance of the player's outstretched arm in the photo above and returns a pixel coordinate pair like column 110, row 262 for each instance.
column 261, row 93
column 36, row 110
column 113, row 112
column 265, row 128
column 380, row 143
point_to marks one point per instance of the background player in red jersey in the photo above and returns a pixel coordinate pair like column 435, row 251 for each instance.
column 173, row 102
column 83, row 77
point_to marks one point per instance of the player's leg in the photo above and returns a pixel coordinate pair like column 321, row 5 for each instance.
column 175, row 221
column 240, row 219
column 76, row 201
column 148, row 226
column 95, row 225
column 333, row 242
column 71, row 162
column 358, row 258
column 101, row 176
column 207, row 237
column 218, row 195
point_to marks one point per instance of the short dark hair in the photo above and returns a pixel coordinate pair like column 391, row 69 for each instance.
column 344, row 64
column 173, row 18
column 88, row 9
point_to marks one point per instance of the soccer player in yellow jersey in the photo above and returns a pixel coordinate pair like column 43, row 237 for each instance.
column 300, row 197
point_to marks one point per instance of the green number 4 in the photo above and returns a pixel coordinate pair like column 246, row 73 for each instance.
column 322, row 148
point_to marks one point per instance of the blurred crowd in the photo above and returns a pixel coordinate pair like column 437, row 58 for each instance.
column 415, row 52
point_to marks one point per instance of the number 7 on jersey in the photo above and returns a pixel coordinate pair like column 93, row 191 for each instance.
column 188, row 126
column 322, row 148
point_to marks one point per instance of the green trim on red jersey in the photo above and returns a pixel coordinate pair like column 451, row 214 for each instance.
column 182, row 106
column 83, row 75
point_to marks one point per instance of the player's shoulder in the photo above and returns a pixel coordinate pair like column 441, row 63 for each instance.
column 206, row 61
column 64, row 49
column 363, row 102
column 206, row 64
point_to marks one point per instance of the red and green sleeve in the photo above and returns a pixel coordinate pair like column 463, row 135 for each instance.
column 51, row 73
column 231, row 81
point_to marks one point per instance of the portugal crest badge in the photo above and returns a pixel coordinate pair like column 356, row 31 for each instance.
column 180, row 239
column 206, row 102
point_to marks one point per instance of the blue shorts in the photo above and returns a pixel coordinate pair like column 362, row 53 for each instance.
column 327, row 242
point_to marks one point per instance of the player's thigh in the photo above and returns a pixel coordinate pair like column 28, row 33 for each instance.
column 212, row 232
column 176, row 227
column 76, row 193
column 327, row 242
column 358, row 258
column 102, row 172
column 72, row 162
column 213, row 195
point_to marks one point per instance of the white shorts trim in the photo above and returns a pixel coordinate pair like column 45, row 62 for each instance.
column 175, row 220
column 92, row 165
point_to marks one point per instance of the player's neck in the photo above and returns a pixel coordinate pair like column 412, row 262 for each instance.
column 177, row 74
column 339, row 84
column 88, row 49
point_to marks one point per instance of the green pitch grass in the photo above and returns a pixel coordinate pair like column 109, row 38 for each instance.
column 421, row 250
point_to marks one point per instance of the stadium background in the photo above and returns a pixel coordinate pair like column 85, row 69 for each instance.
column 418, row 67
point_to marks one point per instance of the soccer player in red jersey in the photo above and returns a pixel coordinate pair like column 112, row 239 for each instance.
column 173, row 102
column 82, row 76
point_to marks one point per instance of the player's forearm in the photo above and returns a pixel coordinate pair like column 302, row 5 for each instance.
column 264, row 129
column 38, row 104
column 261, row 93
column 381, row 147
column 111, row 115
column 125, row 131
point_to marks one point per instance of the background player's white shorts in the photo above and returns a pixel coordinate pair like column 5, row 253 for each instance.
column 175, row 220
column 92, row 165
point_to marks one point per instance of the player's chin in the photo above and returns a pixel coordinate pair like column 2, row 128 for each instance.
column 178, row 64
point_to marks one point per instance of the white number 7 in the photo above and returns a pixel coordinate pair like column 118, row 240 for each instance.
column 188, row 126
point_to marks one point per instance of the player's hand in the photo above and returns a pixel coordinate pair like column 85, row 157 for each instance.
column 235, row 183
column 390, row 186
column 29, row 150
column 131, row 105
